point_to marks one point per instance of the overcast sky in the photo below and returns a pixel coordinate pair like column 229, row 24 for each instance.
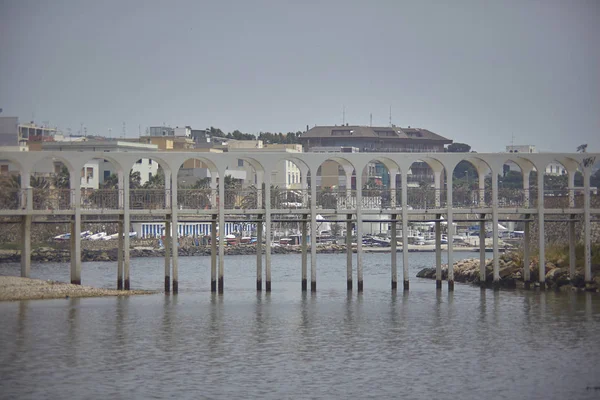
column 477, row 71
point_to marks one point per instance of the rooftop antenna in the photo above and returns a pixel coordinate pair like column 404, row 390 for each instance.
column 124, row 133
column 109, row 133
column 140, row 129
column 390, row 115
column 512, row 142
column 371, row 120
column 343, row 115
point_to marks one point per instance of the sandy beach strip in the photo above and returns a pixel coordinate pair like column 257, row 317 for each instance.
column 17, row 288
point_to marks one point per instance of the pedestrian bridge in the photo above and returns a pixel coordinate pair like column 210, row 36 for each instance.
column 483, row 198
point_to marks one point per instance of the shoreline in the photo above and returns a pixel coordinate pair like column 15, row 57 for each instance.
column 50, row 254
column 14, row 288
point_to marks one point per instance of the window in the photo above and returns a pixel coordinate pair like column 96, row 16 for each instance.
column 149, row 175
column 150, row 162
column 4, row 169
column 240, row 163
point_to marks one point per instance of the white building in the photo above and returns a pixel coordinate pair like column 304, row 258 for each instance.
column 554, row 168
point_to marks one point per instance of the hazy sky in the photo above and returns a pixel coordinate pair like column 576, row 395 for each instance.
column 473, row 71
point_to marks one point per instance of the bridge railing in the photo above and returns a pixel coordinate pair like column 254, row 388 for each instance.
column 149, row 199
column 197, row 199
column 426, row 197
column 53, row 199
column 512, row 198
column 290, row 198
column 101, row 199
column 13, row 198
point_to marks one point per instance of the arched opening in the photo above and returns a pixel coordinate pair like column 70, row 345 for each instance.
column 466, row 190
column 50, row 181
column 147, row 186
column 12, row 195
column 425, row 186
column 556, row 186
column 197, row 185
column 380, row 186
column 99, row 184
column 243, row 183
column 336, row 185
column 289, row 188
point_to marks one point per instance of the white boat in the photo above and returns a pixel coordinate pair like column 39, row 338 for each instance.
column 96, row 236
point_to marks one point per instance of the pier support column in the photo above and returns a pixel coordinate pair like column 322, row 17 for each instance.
column 76, row 249
column 482, row 271
column 213, row 253
column 572, row 260
column 259, row 251
column 394, row 255
column 541, row 231
column 359, row 232
column 313, row 232
column 450, row 233
column 438, row 252
column 268, row 232
column 26, row 246
column 304, row 245
column 526, row 253
column 120, row 250
column 587, row 226
column 221, row 216
column 126, row 229
column 404, row 195
column 495, row 222
column 167, row 246
column 174, row 233
column 349, row 251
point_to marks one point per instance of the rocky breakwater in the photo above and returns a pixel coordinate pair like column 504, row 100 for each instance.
column 511, row 274
column 50, row 254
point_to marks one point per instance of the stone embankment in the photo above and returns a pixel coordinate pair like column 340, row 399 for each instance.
column 16, row 288
column 49, row 254
column 511, row 274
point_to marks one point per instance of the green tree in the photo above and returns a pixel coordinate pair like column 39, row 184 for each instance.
column 459, row 148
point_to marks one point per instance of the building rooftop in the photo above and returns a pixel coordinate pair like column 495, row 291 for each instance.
column 373, row 132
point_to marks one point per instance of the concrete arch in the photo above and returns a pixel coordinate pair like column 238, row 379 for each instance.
column 211, row 165
column 53, row 157
column 14, row 161
column 161, row 162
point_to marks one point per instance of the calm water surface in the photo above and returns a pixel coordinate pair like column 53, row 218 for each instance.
column 420, row 344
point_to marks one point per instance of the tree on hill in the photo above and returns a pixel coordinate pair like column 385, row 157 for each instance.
column 459, row 148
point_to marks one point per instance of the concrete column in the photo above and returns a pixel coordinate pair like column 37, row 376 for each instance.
column 76, row 230
column 120, row 178
column 542, row 237
column 572, row 259
column 213, row 253
column 349, row 251
column 167, row 246
column 304, row 252
column 482, row 271
column 259, row 251
column 213, row 190
column 359, row 232
column 222, row 234
column 394, row 255
column 496, row 253
column 526, row 196
column 481, row 177
column 405, row 230
column 437, row 183
column 450, row 233
column 438, row 252
column 268, row 232
column 26, row 196
column 126, row 229
column 393, row 173
column 313, row 231
column 168, row 195
column 26, row 246
column 587, row 226
column 120, row 251
column 571, row 186
column 526, row 253
column 260, row 179
column 175, row 235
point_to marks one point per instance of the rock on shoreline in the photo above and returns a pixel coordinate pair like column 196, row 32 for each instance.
column 511, row 274
column 17, row 288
